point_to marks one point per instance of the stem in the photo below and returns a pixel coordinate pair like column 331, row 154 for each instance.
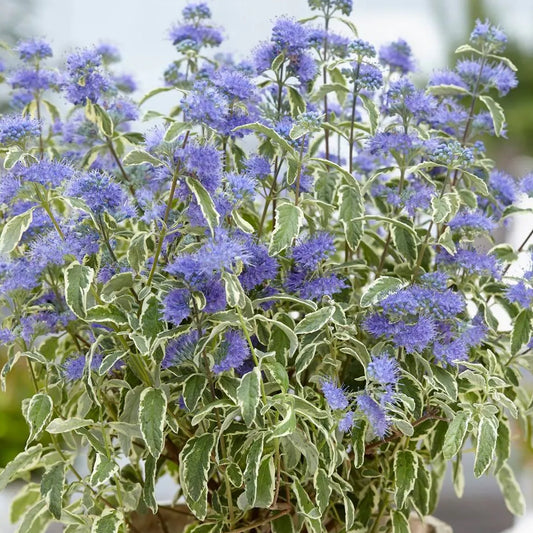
column 260, row 523
column 381, row 510
column 352, row 121
column 325, row 79
column 115, row 156
column 46, row 206
column 165, row 217
column 38, row 105
column 299, row 175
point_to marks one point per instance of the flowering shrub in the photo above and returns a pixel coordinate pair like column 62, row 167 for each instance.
column 284, row 294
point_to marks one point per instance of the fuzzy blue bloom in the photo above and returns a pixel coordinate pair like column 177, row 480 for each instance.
column 100, row 193
column 259, row 267
column 526, row 184
column 486, row 76
column 384, row 370
column 241, row 185
column 473, row 221
column 361, row 48
column 404, row 99
column 15, row 129
column 308, row 254
column 180, row 349
column 334, row 394
column 471, row 261
column 318, row 287
column 33, row 50
column 6, row 336
column 194, row 36
column 504, row 187
column 20, row 273
column 258, row 166
column 74, row 367
column 176, row 306
column 451, row 352
column 484, row 33
column 34, row 80
column 86, row 77
column 375, row 414
column 395, row 141
column 337, row 44
column 347, row 422
column 233, row 352
column 397, row 56
column 203, row 162
column 521, row 294
column 45, row 172
column 452, row 153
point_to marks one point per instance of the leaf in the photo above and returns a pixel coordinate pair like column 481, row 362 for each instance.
column 496, row 112
column 140, row 157
column 194, row 460
column 351, row 207
column 314, row 321
column 441, row 208
column 274, row 136
column 234, row 292
column 521, row 331
column 283, row 524
column 52, row 484
column 150, row 469
column 380, row 289
column 503, row 445
column 323, row 489
column 23, row 462
column 36, row 518
column 289, row 218
column 373, row 112
column 38, row 413
column 118, row 284
column 486, row 444
column 348, row 178
column 405, row 473
column 455, row 435
column 446, row 90
column 205, row 202
column 421, row 492
column 446, row 381
column 193, row 389
column 307, row 508
column 248, row 394
column 103, row 469
column 13, row 230
column 107, row 523
column 251, row 472
column 174, row 130
column 78, row 281
column 25, row 498
column 266, row 483
column 58, row 425
column 405, row 242
column 152, row 417
column 514, row 499
column 400, row 524
column 151, row 323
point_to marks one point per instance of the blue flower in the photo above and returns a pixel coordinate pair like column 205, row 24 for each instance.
column 521, row 294
column 176, row 306
column 33, row 50
column 75, row 366
column 384, row 370
column 397, row 56
column 15, row 128
column 334, row 395
column 180, row 349
column 233, row 352
column 308, row 254
column 375, row 414
column 346, row 422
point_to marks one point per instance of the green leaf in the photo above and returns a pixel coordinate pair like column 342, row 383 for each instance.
column 52, row 484
column 307, row 508
column 373, row 112
column 150, row 470
column 289, row 218
column 455, row 435
column 118, row 284
column 314, row 321
column 205, row 202
column 521, row 331
column 251, row 472
column 234, row 292
column 58, row 425
column 358, row 442
column 405, row 473
column 78, row 281
column 323, row 489
column 400, row 524
column 286, row 426
column 248, row 394
column 103, row 470
column 151, row 323
column 194, row 460
column 36, row 519
column 140, row 157
column 380, row 289
column 266, row 483
column 274, row 136
column 348, row 178
column 28, row 495
column 174, row 131
column 193, row 389
column 18, row 466
column 514, row 499
column 349, row 512
column 405, row 242
column 13, row 230
column 283, row 524
column 108, row 523
column 152, row 417
column 486, row 444
column 138, row 252
column 446, row 90
column 351, row 207
column 446, row 381
column 106, row 314
column 503, row 445
column 446, row 241
column 38, row 413
column 440, row 209
column 421, row 492
column 496, row 112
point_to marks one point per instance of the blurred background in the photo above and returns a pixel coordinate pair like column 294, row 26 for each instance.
column 433, row 28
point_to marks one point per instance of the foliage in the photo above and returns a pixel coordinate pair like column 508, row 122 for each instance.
column 284, row 295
